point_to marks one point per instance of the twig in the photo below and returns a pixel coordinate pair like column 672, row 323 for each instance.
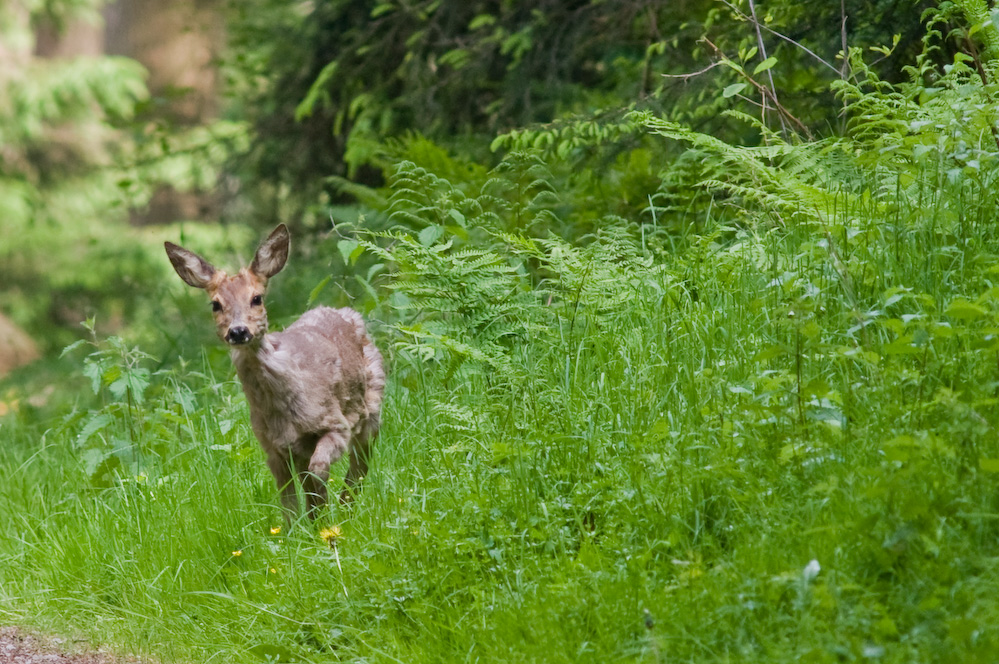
column 985, row 81
column 842, row 32
column 770, row 74
column 784, row 37
column 764, row 91
column 696, row 73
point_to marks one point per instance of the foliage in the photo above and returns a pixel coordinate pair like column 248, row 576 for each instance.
column 753, row 421
column 80, row 147
column 472, row 267
column 361, row 72
column 327, row 84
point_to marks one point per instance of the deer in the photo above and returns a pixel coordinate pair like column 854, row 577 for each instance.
column 314, row 390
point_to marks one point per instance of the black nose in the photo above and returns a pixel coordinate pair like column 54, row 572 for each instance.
column 238, row 335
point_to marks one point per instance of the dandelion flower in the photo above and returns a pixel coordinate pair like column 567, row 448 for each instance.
column 330, row 535
column 275, row 530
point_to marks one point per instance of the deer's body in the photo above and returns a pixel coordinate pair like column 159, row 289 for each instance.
column 314, row 390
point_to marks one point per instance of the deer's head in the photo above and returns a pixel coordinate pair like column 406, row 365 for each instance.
column 237, row 301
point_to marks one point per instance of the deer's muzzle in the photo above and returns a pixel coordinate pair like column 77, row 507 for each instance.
column 237, row 336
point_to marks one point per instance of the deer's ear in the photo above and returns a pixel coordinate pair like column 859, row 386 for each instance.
column 192, row 268
column 272, row 254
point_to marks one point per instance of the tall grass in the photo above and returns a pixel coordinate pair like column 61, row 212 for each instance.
column 776, row 444
column 770, row 436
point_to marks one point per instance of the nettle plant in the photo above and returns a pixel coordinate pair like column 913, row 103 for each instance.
column 114, row 437
column 133, row 436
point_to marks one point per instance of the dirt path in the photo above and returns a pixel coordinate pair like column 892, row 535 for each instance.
column 22, row 647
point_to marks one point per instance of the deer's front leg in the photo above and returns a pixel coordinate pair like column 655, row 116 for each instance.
column 329, row 448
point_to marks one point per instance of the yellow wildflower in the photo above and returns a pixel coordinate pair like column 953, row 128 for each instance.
column 275, row 530
column 330, row 535
column 237, row 554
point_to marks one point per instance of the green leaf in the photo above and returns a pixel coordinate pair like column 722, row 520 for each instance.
column 318, row 89
column 457, row 58
column 73, row 346
column 93, row 425
column 366, row 284
column 893, row 299
column 92, row 370
column 817, row 387
column 828, row 415
column 99, row 464
column 273, row 652
column 347, row 249
column 481, row 21
column 901, row 448
column 901, row 346
column 92, row 459
column 318, row 289
column 431, row 234
column 134, row 381
column 961, row 309
column 733, row 90
column 989, row 465
column 765, row 65
column 769, row 353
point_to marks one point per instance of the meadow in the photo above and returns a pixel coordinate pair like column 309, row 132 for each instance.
column 773, row 443
column 653, row 396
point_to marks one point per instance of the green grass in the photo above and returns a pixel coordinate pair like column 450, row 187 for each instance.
column 768, row 434
column 770, row 441
column 632, row 479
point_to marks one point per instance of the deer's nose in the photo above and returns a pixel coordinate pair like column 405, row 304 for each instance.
column 238, row 335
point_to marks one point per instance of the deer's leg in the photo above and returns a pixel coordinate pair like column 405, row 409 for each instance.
column 329, row 448
column 360, row 449
column 281, row 470
column 313, row 491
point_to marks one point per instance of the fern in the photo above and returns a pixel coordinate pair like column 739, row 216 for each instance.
column 448, row 295
column 787, row 180
column 474, row 305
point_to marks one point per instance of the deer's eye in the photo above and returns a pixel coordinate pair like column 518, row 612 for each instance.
column 257, row 301
column 216, row 306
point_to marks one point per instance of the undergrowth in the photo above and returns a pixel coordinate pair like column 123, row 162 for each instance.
column 767, row 436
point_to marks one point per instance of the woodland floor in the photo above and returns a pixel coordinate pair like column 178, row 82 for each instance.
column 19, row 646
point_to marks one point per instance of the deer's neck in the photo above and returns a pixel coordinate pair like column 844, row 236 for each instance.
column 268, row 379
column 255, row 366
column 252, row 360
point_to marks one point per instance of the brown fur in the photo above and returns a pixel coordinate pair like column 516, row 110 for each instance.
column 315, row 390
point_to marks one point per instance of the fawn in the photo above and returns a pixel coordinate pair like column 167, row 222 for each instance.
column 315, row 390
